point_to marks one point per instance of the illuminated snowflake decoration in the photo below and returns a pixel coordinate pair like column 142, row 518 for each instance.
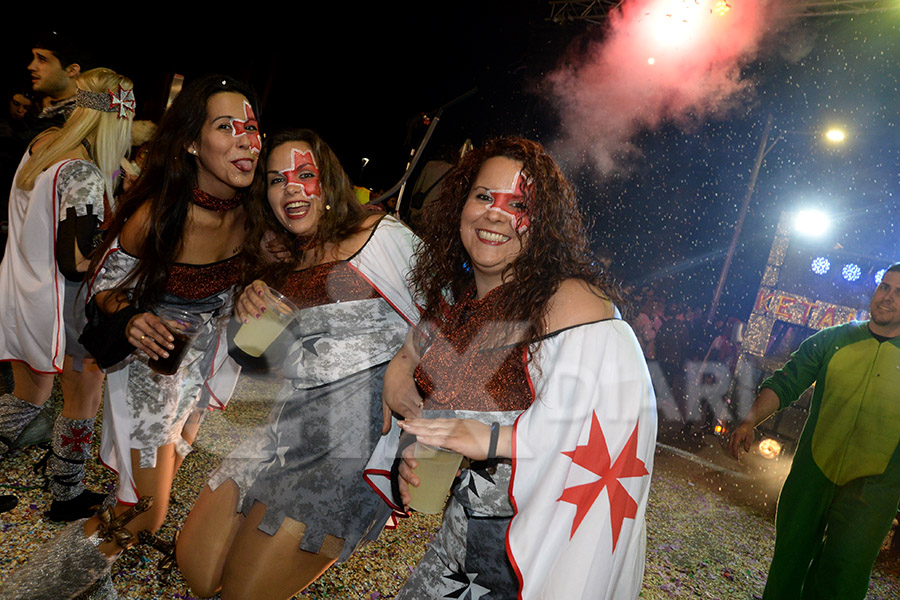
column 879, row 275
column 851, row 272
column 820, row 265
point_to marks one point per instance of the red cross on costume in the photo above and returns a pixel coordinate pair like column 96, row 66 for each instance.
column 79, row 437
column 303, row 172
column 594, row 456
column 122, row 100
column 239, row 128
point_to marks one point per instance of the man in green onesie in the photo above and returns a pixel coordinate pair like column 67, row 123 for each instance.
column 841, row 495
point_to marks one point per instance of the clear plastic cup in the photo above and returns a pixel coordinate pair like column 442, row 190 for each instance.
column 184, row 327
column 257, row 335
column 436, row 471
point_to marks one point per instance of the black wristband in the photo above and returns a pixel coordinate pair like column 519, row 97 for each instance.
column 492, row 446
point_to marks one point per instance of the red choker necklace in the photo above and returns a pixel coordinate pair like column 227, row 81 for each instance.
column 209, row 202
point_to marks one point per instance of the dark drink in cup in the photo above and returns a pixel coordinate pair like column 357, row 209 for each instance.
column 168, row 366
column 184, row 327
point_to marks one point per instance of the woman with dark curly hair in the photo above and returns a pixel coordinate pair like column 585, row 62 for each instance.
column 291, row 500
column 526, row 369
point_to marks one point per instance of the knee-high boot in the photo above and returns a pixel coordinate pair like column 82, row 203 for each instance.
column 15, row 414
column 72, row 562
column 65, row 470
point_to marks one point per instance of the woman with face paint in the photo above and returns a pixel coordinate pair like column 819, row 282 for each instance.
column 292, row 499
column 530, row 374
column 175, row 242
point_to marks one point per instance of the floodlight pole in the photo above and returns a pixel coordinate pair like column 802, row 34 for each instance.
column 760, row 155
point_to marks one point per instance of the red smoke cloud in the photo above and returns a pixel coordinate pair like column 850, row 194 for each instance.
column 660, row 60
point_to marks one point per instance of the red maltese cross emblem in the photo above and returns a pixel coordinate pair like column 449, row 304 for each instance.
column 80, row 436
column 594, row 456
column 123, row 100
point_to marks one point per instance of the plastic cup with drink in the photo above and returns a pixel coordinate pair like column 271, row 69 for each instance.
column 436, row 471
column 184, row 327
column 257, row 335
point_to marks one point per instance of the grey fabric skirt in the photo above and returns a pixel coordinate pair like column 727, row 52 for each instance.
column 307, row 462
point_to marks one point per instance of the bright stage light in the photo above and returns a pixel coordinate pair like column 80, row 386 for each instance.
column 812, row 223
column 851, row 272
column 835, row 136
column 720, row 8
column 820, row 265
column 651, row 61
column 675, row 22
column 879, row 275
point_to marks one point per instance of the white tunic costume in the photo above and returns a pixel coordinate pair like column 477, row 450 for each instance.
column 32, row 288
column 564, row 520
column 144, row 410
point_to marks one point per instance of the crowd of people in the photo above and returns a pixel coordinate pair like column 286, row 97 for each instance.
column 685, row 344
column 490, row 332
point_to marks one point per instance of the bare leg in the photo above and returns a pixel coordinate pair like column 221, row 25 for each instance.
column 81, row 390
column 264, row 567
column 155, row 482
column 30, row 386
column 207, row 537
column 189, row 432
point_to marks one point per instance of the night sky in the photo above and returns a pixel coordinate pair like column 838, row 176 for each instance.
column 665, row 210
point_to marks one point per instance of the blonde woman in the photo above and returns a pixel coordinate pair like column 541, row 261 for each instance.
column 62, row 193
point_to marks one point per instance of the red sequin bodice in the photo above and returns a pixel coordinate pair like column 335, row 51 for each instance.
column 195, row 282
column 462, row 370
column 325, row 284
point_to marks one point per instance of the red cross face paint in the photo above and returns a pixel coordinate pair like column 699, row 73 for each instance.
column 303, row 172
column 511, row 200
column 294, row 188
column 249, row 127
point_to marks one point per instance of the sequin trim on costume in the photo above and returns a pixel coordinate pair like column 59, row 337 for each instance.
column 325, row 284
column 210, row 202
column 195, row 282
column 463, row 370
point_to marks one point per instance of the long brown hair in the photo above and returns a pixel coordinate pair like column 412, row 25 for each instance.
column 167, row 182
column 344, row 218
column 555, row 248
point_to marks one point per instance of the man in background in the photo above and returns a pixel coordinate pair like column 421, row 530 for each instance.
column 840, row 497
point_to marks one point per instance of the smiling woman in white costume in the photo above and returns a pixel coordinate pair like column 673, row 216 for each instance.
column 525, row 368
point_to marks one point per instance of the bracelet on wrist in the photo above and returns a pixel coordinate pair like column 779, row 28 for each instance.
column 495, row 435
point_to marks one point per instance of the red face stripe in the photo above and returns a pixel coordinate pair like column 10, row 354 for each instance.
column 239, row 128
column 508, row 199
column 303, row 172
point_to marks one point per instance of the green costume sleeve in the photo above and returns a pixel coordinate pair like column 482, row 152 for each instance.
column 801, row 370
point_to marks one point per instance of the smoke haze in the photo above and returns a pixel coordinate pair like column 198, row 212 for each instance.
column 659, row 61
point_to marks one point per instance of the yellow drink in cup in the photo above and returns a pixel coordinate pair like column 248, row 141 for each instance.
column 254, row 337
column 436, row 470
